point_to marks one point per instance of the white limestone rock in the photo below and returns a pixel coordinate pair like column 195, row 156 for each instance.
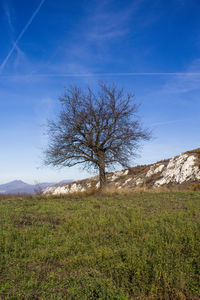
column 77, row 188
column 180, row 169
column 139, row 181
column 57, row 190
column 155, row 169
column 113, row 177
column 126, row 172
column 127, row 180
column 98, row 184
column 116, row 175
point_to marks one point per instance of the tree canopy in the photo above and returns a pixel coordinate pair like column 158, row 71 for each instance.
column 98, row 129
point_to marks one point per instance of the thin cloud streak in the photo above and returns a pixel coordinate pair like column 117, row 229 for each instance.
column 170, row 122
column 8, row 15
column 19, row 53
column 184, row 83
column 20, row 36
column 105, row 74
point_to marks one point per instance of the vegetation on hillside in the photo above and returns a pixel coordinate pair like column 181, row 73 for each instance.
column 123, row 246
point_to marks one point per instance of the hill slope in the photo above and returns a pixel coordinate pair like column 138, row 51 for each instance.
column 179, row 171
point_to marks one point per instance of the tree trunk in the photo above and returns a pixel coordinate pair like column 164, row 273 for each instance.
column 102, row 173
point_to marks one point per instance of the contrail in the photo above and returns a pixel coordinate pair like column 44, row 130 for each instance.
column 170, row 122
column 20, row 36
column 196, row 74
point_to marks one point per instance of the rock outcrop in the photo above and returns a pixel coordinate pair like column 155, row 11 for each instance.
column 180, row 171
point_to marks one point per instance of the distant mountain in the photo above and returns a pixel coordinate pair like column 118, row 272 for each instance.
column 20, row 187
column 13, row 186
column 65, row 181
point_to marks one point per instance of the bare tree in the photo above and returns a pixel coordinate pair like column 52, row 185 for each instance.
column 98, row 129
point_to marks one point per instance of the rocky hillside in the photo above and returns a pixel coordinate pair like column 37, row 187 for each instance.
column 179, row 172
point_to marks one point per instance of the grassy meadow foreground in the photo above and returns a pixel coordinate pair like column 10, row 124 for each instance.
column 125, row 246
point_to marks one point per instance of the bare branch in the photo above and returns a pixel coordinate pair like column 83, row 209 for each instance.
column 98, row 129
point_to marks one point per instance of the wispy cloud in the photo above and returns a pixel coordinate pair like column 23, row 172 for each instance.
column 181, row 83
column 104, row 25
column 2, row 66
column 20, row 57
column 92, row 40
column 8, row 16
column 180, row 75
column 169, row 122
column 9, row 13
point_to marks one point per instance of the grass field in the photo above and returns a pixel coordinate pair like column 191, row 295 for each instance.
column 125, row 246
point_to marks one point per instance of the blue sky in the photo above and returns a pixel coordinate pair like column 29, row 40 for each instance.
column 151, row 48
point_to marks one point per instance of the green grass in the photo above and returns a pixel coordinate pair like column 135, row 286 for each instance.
column 126, row 246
